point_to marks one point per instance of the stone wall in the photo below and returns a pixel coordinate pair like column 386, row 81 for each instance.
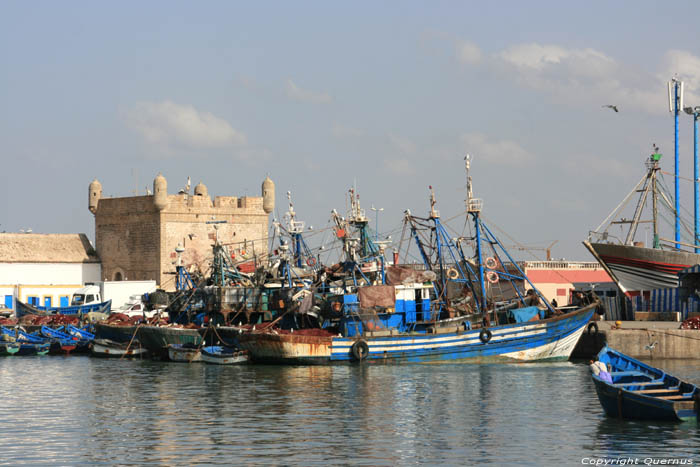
column 127, row 238
column 136, row 239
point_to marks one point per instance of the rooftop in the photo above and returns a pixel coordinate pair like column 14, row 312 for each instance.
column 46, row 248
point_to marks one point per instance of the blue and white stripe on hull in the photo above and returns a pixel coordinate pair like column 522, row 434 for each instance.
column 527, row 342
column 550, row 339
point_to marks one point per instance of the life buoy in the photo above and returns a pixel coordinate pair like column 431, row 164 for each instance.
column 242, row 252
column 492, row 277
column 485, row 335
column 452, row 273
column 311, row 261
column 491, row 262
column 592, row 328
column 360, row 350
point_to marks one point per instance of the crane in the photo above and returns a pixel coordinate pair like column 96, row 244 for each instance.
column 546, row 249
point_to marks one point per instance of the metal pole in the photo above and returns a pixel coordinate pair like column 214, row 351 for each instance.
column 676, row 110
column 696, row 176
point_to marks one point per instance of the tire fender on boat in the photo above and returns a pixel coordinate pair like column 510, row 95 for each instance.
column 452, row 273
column 360, row 350
column 485, row 335
column 592, row 328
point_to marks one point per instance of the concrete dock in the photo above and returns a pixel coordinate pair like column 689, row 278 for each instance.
column 641, row 339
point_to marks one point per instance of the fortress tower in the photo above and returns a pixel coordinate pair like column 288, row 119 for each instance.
column 136, row 236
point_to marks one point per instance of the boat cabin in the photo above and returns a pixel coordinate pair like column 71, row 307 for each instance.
column 385, row 309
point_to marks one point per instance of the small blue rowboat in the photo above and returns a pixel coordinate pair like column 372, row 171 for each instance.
column 220, row 355
column 641, row 392
column 22, row 309
column 64, row 342
column 29, row 344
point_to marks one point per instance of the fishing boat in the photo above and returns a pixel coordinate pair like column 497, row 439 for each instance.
column 157, row 338
column 461, row 307
column 61, row 342
column 9, row 348
column 23, row 309
column 108, row 348
column 635, row 390
column 632, row 264
column 187, row 353
column 220, row 355
column 29, row 344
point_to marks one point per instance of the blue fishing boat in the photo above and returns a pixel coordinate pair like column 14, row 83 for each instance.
column 61, row 342
column 29, row 344
column 23, row 309
column 461, row 306
column 634, row 390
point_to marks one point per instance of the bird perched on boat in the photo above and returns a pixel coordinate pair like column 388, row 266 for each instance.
column 610, row 106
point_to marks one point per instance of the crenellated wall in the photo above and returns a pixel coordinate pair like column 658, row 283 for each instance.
column 136, row 237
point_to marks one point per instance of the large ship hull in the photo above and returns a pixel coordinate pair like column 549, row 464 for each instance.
column 550, row 339
column 636, row 268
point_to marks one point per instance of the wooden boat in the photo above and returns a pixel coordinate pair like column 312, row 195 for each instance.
column 642, row 392
column 220, row 355
column 187, row 353
column 9, row 348
column 29, row 344
column 157, row 338
column 108, row 348
column 115, row 332
column 60, row 341
column 22, row 309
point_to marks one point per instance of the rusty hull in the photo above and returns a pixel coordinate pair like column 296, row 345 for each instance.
column 269, row 346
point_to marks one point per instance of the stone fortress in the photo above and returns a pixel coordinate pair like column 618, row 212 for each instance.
column 136, row 237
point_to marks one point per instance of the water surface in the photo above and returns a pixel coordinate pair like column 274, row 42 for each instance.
column 82, row 410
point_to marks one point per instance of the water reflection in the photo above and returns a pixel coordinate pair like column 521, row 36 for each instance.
column 82, row 410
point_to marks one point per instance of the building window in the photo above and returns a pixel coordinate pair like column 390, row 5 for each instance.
column 561, row 292
column 33, row 300
column 64, row 300
column 117, row 276
column 47, row 300
column 8, row 301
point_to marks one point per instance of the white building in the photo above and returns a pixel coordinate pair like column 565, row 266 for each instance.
column 45, row 269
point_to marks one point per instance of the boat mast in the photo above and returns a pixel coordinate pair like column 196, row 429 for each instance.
column 474, row 208
column 655, row 157
column 649, row 182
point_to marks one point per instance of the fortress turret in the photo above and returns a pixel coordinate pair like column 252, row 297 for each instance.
column 160, row 192
column 94, row 195
column 201, row 190
column 268, row 195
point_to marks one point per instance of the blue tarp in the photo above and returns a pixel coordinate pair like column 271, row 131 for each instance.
column 522, row 315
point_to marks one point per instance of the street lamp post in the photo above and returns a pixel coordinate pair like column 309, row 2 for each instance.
column 695, row 112
column 675, row 104
column 376, row 222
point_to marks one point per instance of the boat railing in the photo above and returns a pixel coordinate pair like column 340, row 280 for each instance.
column 475, row 205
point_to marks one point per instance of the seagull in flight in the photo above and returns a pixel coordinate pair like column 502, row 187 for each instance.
column 614, row 107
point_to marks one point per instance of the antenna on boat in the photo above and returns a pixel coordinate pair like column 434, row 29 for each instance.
column 473, row 204
column 434, row 213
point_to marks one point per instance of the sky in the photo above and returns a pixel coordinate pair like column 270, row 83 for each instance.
column 322, row 96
